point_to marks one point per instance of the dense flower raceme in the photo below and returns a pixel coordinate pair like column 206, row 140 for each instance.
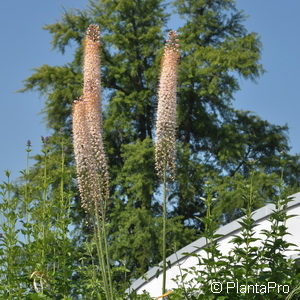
column 91, row 162
column 165, row 149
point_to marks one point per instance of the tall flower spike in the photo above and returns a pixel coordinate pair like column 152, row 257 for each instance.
column 165, row 149
column 91, row 95
column 92, row 169
column 81, row 145
column 91, row 65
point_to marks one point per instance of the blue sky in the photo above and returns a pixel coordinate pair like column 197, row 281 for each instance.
column 275, row 97
column 25, row 45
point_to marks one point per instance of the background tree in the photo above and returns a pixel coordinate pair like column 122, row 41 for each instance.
column 215, row 141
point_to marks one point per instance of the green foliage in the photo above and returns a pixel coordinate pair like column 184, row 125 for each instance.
column 137, row 179
column 36, row 244
column 247, row 264
column 10, row 255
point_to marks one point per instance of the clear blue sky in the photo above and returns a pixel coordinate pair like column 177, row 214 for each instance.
column 25, row 45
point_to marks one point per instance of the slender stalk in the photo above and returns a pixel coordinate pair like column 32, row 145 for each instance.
column 62, row 170
column 165, row 147
column 63, row 219
column 91, row 162
column 249, row 233
column 45, row 150
column 209, row 235
column 101, row 254
column 181, row 275
column 101, row 242
column 9, row 242
column 94, row 276
column 28, row 150
column 107, row 257
column 164, row 230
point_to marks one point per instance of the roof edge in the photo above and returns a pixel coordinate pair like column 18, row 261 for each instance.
column 225, row 230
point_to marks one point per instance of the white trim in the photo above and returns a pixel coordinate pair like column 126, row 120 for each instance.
column 226, row 230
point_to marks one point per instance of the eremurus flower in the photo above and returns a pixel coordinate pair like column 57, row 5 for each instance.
column 165, row 147
column 91, row 162
column 80, row 146
column 165, row 151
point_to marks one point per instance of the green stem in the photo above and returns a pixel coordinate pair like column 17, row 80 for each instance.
column 209, row 236
column 26, row 194
column 9, row 244
column 248, row 234
column 94, row 273
column 107, row 256
column 164, row 230
column 181, row 275
column 101, row 252
column 62, row 200
column 63, row 218
column 43, row 211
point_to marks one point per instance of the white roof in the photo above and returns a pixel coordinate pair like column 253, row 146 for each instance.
column 151, row 281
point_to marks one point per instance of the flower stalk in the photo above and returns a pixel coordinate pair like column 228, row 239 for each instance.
column 165, row 147
column 91, row 162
